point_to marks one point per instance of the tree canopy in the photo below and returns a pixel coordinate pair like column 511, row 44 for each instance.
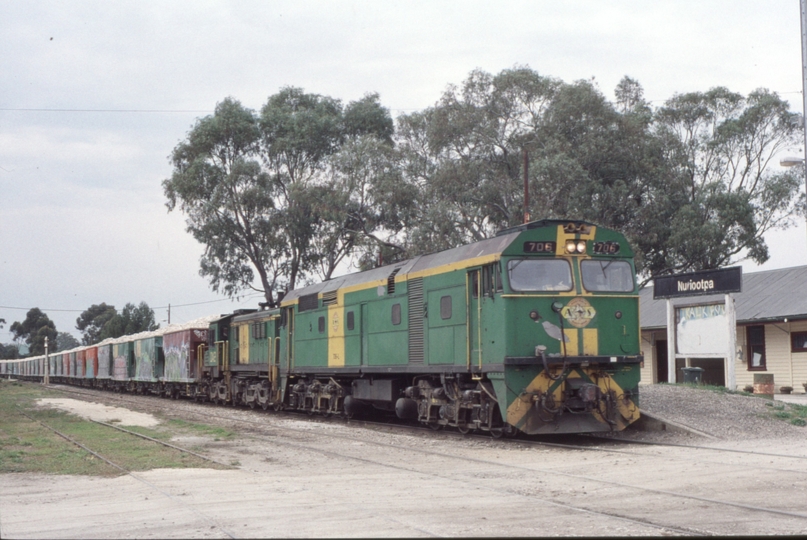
column 92, row 321
column 66, row 341
column 257, row 190
column 33, row 330
column 9, row 351
column 281, row 196
column 102, row 321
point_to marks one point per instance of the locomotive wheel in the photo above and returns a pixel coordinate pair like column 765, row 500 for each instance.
column 265, row 405
column 496, row 433
column 277, row 407
column 465, row 430
column 252, row 404
column 435, row 426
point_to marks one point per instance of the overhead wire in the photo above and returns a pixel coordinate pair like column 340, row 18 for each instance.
column 239, row 299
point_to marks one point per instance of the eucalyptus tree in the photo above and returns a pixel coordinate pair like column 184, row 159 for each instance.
column 586, row 159
column 229, row 201
column 132, row 319
column 92, row 320
column 65, row 341
column 308, row 145
column 465, row 155
column 366, row 206
column 720, row 146
column 258, row 193
column 36, row 327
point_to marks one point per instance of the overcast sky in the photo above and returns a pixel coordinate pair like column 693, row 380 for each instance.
column 95, row 95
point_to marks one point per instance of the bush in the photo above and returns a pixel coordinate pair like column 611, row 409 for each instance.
column 748, row 388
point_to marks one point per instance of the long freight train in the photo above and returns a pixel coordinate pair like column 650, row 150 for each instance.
column 535, row 330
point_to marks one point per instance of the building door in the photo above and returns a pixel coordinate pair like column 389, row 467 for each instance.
column 661, row 360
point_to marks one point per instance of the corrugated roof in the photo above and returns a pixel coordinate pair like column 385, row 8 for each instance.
column 767, row 295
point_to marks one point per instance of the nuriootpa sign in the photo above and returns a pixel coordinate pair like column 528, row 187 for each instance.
column 723, row 281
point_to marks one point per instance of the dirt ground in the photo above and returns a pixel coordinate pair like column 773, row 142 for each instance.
column 301, row 479
column 100, row 412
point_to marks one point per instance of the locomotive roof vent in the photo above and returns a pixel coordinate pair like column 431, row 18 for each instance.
column 391, row 281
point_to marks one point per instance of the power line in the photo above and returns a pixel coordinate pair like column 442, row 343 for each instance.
column 109, row 110
column 157, row 307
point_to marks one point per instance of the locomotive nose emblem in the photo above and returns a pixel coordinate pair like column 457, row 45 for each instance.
column 335, row 323
column 578, row 312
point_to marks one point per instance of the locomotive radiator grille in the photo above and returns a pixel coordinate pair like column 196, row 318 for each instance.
column 415, row 292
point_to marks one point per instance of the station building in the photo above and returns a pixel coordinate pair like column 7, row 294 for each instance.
column 771, row 313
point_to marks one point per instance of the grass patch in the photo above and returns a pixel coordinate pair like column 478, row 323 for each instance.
column 797, row 414
column 717, row 389
column 791, row 412
column 27, row 446
column 788, row 412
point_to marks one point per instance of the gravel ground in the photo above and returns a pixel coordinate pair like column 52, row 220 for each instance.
column 723, row 415
column 298, row 478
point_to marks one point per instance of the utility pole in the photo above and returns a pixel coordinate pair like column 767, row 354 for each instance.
column 46, row 380
column 169, row 313
column 527, row 182
column 803, row 6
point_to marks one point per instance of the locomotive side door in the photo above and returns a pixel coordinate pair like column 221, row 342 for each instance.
column 473, row 316
column 365, row 335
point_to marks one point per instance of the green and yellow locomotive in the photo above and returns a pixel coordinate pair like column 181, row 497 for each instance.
column 535, row 330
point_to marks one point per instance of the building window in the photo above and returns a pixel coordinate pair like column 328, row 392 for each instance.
column 798, row 342
column 396, row 314
column 755, row 340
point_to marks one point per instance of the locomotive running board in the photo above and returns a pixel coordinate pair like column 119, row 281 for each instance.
column 571, row 360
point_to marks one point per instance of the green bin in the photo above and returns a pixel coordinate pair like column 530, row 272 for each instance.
column 692, row 375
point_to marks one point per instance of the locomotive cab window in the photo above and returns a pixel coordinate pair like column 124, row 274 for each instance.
column 540, row 275
column 396, row 314
column 606, row 276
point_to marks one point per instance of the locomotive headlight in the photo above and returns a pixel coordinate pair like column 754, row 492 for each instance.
column 575, row 246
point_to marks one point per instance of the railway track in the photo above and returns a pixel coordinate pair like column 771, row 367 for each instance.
column 177, row 501
column 274, row 424
column 587, row 442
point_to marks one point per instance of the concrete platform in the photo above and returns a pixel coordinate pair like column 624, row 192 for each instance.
column 799, row 399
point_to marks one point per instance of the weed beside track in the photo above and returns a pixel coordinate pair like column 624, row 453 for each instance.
column 26, row 446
